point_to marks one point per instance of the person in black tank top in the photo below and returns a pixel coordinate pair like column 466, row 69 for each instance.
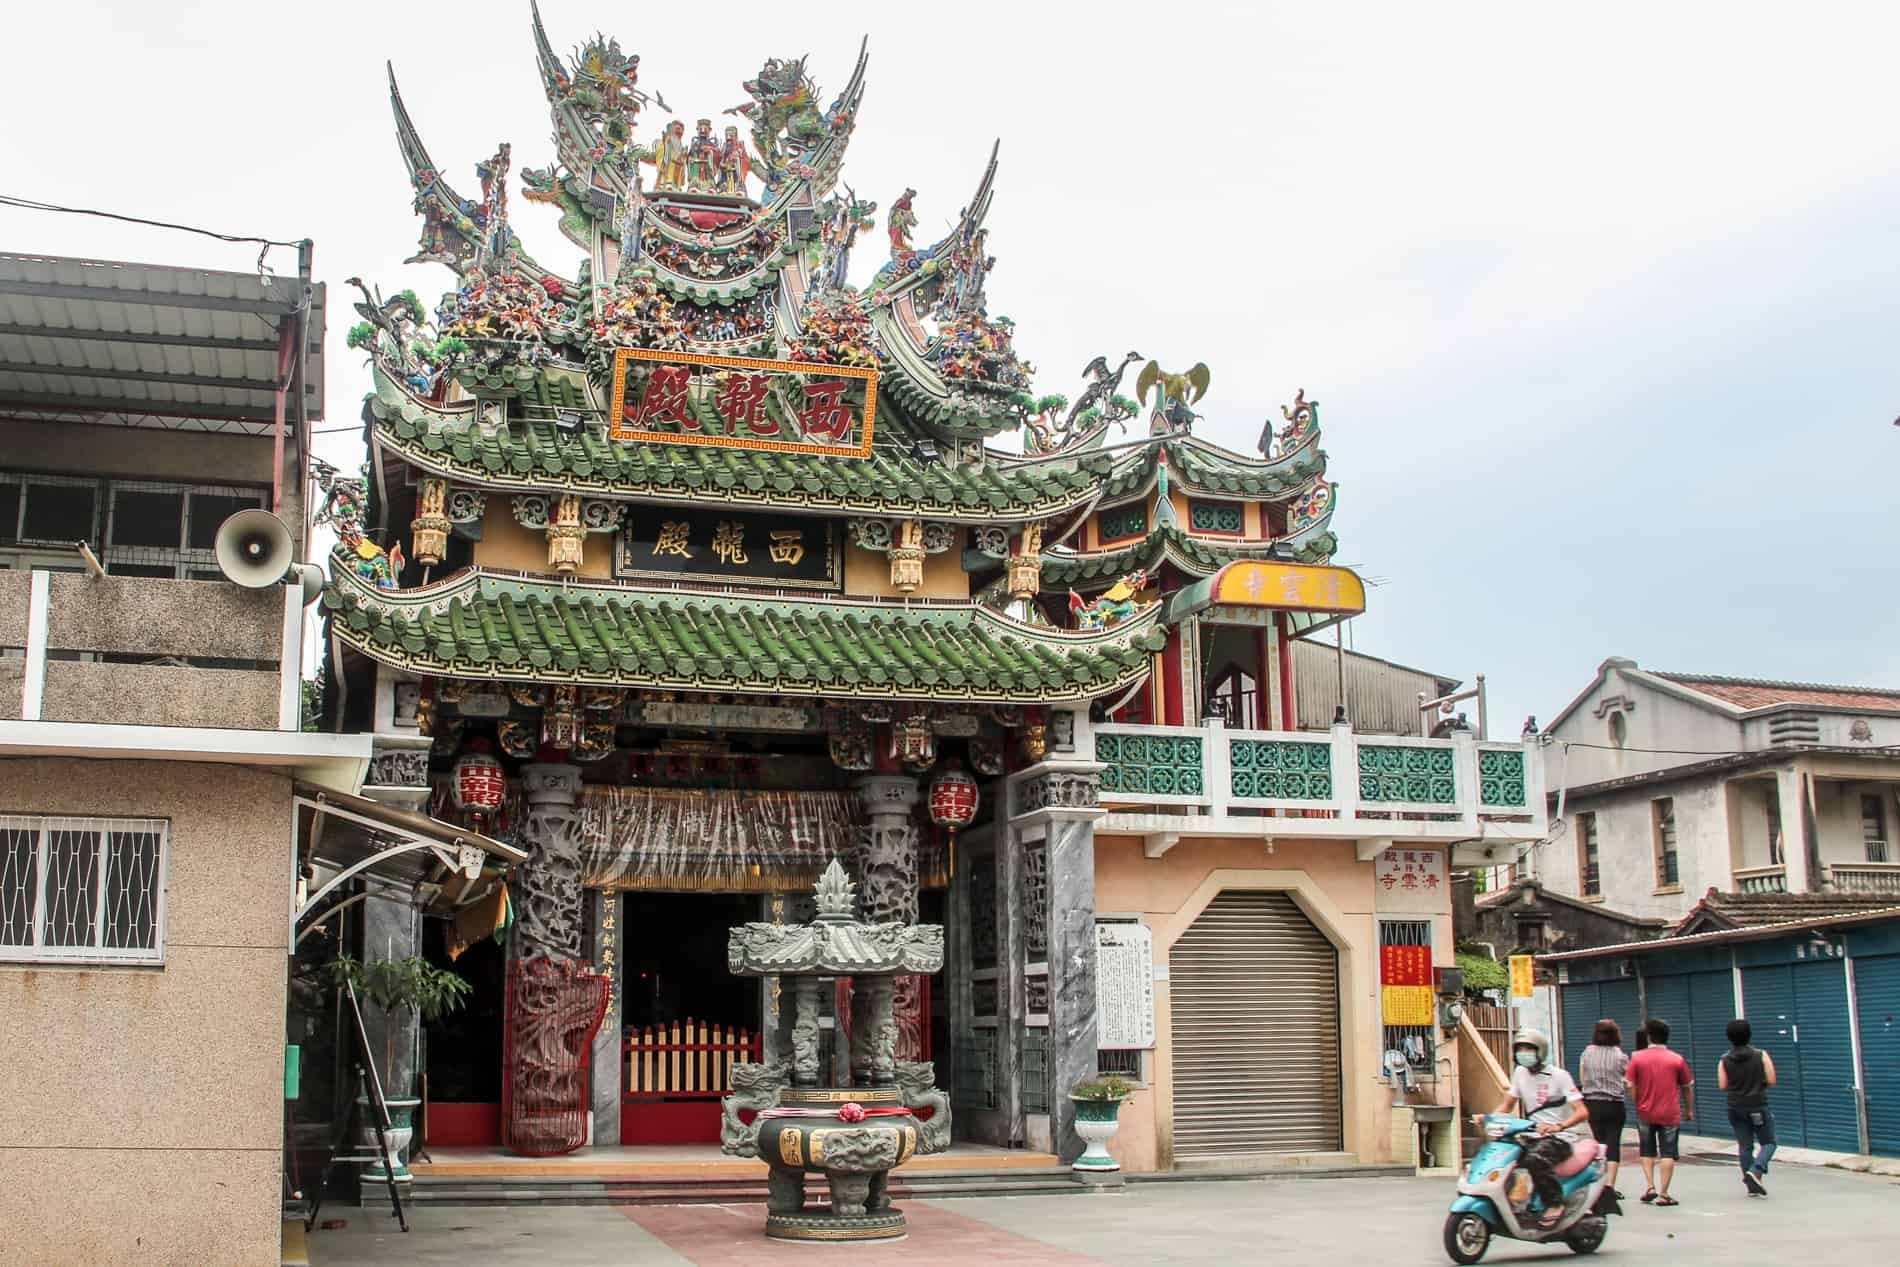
column 1746, row 1073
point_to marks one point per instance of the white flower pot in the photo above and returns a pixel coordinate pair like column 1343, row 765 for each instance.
column 1096, row 1124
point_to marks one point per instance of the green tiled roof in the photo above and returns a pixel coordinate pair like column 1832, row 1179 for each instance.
column 1197, row 556
column 482, row 624
column 535, row 454
column 1200, row 467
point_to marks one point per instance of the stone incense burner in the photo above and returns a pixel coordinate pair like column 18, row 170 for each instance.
column 855, row 1135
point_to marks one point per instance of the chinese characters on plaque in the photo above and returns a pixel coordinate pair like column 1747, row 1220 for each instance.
column 721, row 546
column 1124, row 986
column 1407, row 879
column 738, row 402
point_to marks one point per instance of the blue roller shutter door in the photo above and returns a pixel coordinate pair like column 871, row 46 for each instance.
column 1711, row 1007
column 1585, row 1003
column 1827, row 1056
column 1582, row 1005
column 1668, row 998
column 1799, row 1012
column 1768, row 995
column 1877, row 983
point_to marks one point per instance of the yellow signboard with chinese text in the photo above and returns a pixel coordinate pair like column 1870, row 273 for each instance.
column 1522, row 978
column 1292, row 586
column 743, row 403
column 1407, row 1005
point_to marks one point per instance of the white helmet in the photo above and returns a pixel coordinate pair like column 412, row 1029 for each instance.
column 1535, row 1039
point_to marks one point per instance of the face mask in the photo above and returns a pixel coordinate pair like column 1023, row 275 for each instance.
column 1527, row 1058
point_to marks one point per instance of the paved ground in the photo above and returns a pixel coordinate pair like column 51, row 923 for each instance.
column 1813, row 1216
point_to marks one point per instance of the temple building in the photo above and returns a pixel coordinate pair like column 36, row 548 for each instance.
column 688, row 566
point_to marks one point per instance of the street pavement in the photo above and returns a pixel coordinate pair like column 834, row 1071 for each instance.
column 1811, row 1216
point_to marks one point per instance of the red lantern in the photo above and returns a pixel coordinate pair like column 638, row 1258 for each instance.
column 953, row 797
column 479, row 781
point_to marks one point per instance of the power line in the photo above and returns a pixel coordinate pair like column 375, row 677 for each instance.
column 34, row 204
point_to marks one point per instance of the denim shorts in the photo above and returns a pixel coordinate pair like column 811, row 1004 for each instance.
column 1657, row 1141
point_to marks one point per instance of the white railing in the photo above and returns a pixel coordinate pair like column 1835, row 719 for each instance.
column 1332, row 773
column 1881, row 878
column 1761, row 879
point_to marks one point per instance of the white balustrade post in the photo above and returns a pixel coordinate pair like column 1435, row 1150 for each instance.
column 1345, row 771
column 33, row 686
column 1464, row 748
column 1217, row 767
column 1535, row 798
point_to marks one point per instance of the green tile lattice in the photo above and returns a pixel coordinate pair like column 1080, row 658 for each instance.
column 1501, row 778
column 1418, row 776
column 1151, row 765
column 1131, row 522
column 1215, row 517
column 1281, row 770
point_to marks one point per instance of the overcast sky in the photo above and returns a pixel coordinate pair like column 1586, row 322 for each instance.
column 1598, row 301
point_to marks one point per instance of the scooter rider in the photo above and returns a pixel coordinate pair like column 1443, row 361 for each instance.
column 1548, row 1096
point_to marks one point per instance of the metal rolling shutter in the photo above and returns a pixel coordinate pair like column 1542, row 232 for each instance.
column 1712, row 1007
column 1768, row 994
column 1582, row 1005
column 1698, row 1007
column 1827, row 1056
column 1255, row 991
column 1877, row 982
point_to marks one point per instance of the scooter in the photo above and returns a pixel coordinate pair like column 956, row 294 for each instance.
column 1484, row 1208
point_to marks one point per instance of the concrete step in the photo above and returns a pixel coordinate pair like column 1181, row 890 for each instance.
column 448, row 1190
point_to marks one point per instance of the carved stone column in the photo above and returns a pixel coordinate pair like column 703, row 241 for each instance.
column 887, row 849
column 1053, row 809
column 554, row 1000
column 547, row 888
column 608, row 948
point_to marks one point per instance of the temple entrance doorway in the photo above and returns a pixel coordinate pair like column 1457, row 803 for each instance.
column 685, row 1020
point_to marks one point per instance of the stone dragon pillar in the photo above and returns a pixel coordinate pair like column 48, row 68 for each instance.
column 554, row 1001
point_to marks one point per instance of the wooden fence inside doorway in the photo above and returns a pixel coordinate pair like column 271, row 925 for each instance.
column 675, row 1074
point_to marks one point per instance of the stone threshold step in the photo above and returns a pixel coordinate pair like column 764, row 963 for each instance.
column 1369, row 1171
column 437, row 1182
column 700, row 1197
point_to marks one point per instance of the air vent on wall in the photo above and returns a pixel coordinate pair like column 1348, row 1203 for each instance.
column 1790, row 729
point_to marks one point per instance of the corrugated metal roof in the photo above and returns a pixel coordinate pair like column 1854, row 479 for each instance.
column 81, row 336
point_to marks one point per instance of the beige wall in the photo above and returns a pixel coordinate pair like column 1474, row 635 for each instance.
column 1337, row 893
column 506, row 544
column 867, row 573
column 141, row 1109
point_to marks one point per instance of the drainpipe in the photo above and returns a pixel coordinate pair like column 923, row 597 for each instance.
column 286, row 343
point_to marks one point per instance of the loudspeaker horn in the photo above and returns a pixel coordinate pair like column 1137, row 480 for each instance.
column 253, row 549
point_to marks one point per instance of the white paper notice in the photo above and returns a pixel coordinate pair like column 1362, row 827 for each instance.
column 1124, row 986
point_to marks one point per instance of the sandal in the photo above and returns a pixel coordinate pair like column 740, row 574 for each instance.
column 1649, row 1196
column 1667, row 1201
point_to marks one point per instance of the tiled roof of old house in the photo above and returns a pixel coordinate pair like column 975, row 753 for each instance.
column 1762, row 693
column 1719, row 910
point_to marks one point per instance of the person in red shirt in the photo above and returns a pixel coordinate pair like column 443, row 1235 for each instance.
column 1660, row 1081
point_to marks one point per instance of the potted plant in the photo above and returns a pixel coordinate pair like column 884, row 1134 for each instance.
column 392, row 987
column 1098, row 1103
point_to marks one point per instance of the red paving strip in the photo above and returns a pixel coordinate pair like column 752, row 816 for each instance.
column 734, row 1235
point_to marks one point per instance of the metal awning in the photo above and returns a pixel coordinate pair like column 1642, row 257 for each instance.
column 1249, row 591
column 405, row 855
column 146, row 345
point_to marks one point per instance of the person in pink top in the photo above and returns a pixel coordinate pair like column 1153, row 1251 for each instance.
column 1660, row 1081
